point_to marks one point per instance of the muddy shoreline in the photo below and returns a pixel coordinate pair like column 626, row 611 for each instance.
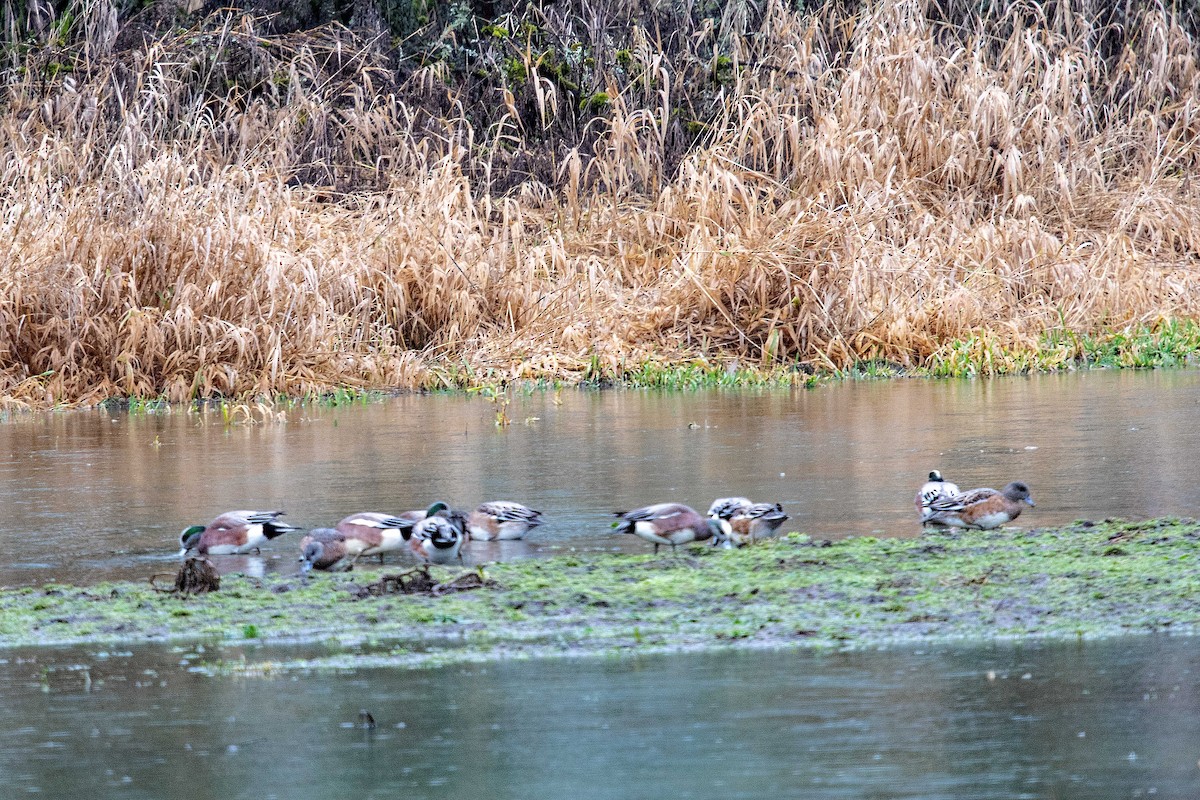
column 1086, row 580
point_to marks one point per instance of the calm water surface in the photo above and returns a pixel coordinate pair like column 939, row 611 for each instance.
column 98, row 495
column 1108, row 720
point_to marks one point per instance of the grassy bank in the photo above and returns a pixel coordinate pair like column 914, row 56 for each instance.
column 1086, row 580
column 225, row 209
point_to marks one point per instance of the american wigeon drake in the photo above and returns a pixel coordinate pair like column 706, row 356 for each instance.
column 981, row 509
column 373, row 534
column 234, row 532
column 740, row 522
column 325, row 549
column 725, row 507
column 664, row 523
column 935, row 488
column 501, row 519
column 441, row 536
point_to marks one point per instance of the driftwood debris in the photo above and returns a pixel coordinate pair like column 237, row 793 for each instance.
column 419, row 581
column 196, row 576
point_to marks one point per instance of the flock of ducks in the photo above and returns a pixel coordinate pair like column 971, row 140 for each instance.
column 439, row 534
column 436, row 535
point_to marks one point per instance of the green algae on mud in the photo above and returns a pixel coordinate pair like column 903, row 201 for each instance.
column 1083, row 580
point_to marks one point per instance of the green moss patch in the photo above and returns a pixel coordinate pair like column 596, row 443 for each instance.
column 1084, row 580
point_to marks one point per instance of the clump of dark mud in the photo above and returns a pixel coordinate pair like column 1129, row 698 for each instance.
column 196, row 576
column 419, row 581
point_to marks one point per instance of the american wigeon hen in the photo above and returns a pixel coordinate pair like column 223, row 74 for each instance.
column 936, row 488
column 371, row 533
column 502, row 519
column 740, row 522
column 664, row 523
column 981, row 509
column 325, row 549
column 234, row 532
column 441, row 536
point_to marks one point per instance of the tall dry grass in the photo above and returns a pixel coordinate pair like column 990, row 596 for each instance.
column 874, row 185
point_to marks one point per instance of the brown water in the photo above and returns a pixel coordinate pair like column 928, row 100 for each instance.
column 1107, row 720
column 96, row 495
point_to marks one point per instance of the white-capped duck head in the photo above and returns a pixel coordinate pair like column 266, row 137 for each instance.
column 933, row 489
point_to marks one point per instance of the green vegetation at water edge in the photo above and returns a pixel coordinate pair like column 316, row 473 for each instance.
column 1083, row 580
column 1170, row 344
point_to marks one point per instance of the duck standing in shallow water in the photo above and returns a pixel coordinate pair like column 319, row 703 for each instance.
column 980, row 509
column 739, row 522
column 501, row 520
column 325, row 549
column 373, row 534
column 936, row 488
column 441, row 536
column 234, row 532
column 664, row 523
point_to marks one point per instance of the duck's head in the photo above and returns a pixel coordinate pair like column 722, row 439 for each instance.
column 442, row 511
column 720, row 530
column 189, row 538
column 312, row 553
column 1018, row 492
column 936, row 476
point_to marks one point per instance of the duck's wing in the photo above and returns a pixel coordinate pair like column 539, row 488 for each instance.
column 726, row 507
column 765, row 511
column 960, row 501
column 505, row 511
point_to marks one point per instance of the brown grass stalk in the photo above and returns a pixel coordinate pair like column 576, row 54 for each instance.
column 284, row 219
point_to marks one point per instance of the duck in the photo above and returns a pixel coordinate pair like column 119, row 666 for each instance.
column 371, row 533
column 725, row 507
column 441, row 536
column 234, row 532
column 502, row 520
column 740, row 522
column 935, row 488
column 980, row 509
column 664, row 523
column 325, row 549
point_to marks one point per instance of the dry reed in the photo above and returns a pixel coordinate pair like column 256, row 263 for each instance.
column 873, row 186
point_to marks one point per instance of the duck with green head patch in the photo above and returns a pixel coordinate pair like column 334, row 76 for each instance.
column 441, row 536
column 501, row 520
column 664, row 523
column 234, row 532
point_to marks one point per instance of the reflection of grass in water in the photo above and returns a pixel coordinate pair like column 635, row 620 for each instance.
column 1081, row 580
